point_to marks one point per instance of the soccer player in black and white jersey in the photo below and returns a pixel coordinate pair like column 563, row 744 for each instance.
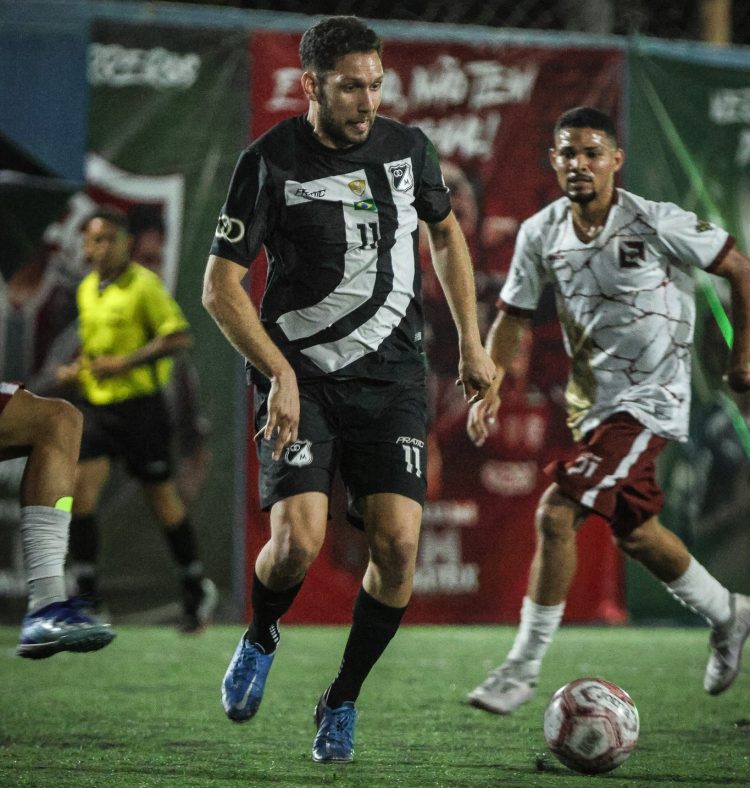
column 335, row 198
column 620, row 266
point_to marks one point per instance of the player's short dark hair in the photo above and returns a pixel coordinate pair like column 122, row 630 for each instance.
column 587, row 118
column 333, row 37
column 108, row 214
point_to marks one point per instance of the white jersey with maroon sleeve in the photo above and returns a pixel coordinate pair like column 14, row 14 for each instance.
column 626, row 304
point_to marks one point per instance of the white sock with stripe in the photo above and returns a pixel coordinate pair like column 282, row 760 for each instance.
column 700, row 591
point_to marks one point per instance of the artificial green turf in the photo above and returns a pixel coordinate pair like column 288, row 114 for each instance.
column 146, row 712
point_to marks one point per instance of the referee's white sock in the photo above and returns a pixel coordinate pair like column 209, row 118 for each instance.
column 44, row 538
column 700, row 591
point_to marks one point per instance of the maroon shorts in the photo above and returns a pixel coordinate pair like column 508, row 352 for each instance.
column 7, row 390
column 614, row 473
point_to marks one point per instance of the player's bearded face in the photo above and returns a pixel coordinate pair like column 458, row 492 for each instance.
column 348, row 99
column 585, row 161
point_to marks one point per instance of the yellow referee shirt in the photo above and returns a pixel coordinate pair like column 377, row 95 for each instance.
column 118, row 319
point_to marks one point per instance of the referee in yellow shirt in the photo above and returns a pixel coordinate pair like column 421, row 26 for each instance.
column 129, row 326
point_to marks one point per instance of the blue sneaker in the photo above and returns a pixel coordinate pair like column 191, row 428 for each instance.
column 61, row 626
column 334, row 741
column 245, row 680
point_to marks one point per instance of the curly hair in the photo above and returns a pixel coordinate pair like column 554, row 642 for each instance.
column 587, row 118
column 333, row 37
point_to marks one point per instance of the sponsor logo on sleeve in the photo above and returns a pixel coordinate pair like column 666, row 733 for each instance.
column 231, row 230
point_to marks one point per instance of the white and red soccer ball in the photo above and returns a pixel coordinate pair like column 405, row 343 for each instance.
column 591, row 725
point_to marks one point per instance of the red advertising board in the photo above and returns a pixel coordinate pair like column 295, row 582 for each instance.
column 490, row 111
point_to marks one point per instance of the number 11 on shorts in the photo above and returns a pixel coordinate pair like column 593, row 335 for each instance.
column 413, row 457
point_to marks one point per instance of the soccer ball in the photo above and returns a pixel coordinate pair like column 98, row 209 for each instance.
column 591, row 725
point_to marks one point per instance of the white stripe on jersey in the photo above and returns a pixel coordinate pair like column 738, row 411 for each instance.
column 360, row 269
column 360, row 262
column 640, row 444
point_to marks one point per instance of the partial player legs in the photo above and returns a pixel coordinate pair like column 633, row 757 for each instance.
column 513, row 683
column 49, row 432
column 665, row 555
column 298, row 526
column 392, row 526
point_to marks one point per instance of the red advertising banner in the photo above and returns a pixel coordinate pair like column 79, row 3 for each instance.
column 490, row 111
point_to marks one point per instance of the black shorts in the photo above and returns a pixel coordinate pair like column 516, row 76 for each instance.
column 137, row 430
column 373, row 432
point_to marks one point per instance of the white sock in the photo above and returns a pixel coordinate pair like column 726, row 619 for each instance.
column 702, row 593
column 535, row 632
column 44, row 538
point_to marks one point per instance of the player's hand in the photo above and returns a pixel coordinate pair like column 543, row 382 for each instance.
column 283, row 413
column 108, row 366
column 68, row 373
column 482, row 417
column 476, row 371
column 738, row 379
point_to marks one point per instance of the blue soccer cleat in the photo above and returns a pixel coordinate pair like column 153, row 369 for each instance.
column 61, row 626
column 334, row 741
column 245, row 680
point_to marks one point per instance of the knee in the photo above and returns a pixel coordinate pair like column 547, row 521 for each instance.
column 294, row 552
column 62, row 423
column 395, row 556
column 555, row 518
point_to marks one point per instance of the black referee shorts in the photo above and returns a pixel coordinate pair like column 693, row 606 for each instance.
column 138, row 431
column 373, row 432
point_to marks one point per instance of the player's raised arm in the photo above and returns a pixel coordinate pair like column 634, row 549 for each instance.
column 225, row 299
column 452, row 263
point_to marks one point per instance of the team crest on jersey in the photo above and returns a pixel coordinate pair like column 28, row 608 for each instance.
column 358, row 186
column 632, row 253
column 299, row 454
column 401, row 176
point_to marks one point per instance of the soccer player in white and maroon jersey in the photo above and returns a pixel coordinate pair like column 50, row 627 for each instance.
column 620, row 266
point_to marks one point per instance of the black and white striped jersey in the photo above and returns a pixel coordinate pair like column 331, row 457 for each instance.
column 340, row 231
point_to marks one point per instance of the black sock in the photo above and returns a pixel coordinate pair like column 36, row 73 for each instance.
column 83, row 551
column 182, row 545
column 181, row 541
column 373, row 626
column 268, row 607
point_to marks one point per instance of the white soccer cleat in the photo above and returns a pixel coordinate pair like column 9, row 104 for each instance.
column 726, row 644
column 506, row 688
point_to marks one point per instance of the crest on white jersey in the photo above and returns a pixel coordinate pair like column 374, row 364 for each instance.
column 402, row 178
column 299, row 454
column 632, row 253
